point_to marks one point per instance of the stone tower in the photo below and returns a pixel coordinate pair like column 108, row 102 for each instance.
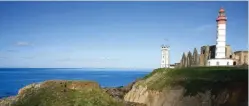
column 189, row 59
column 195, row 58
column 165, row 57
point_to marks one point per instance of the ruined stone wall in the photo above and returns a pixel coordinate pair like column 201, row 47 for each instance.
column 208, row 52
column 240, row 57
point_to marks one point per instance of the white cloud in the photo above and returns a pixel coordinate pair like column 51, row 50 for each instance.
column 108, row 58
column 21, row 43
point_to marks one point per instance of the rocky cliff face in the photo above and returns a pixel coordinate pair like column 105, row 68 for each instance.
column 191, row 93
column 177, row 97
column 118, row 94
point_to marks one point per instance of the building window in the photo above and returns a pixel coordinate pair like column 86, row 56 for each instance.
column 228, row 63
column 217, row 63
column 163, row 56
column 209, row 63
column 163, row 61
column 234, row 63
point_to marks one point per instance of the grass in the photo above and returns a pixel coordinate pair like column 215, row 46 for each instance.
column 197, row 79
column 66, row 93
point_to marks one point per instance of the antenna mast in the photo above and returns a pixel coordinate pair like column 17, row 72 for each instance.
column 166, row 44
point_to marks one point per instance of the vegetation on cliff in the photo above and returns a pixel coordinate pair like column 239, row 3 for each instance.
column 64, row 93
column 196, row 79
column 192, row 86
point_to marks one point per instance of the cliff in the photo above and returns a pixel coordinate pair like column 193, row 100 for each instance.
column 63, row 93
column 197, row 86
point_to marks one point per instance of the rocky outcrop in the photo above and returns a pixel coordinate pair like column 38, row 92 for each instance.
column 119, row 92
column 177, row 97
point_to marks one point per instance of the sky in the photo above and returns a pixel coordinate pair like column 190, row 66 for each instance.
column 112, row 34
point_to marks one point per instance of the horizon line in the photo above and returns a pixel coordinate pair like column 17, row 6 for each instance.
column 78, row 67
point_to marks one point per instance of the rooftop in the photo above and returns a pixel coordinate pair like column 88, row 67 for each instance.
column 241, row 51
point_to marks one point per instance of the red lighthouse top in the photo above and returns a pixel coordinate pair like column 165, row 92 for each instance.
column 221, row 16
column 222, row 10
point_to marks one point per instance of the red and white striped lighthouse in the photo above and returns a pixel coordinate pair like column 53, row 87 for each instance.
column 221, row 35
column 220, row 52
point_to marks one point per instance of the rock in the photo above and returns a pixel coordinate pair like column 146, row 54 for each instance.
column 119, row 92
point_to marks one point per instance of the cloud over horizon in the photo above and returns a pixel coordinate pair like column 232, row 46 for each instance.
column 22, row 43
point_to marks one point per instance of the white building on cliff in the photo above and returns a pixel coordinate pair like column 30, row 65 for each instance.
column 220, row 49
column 165, row 57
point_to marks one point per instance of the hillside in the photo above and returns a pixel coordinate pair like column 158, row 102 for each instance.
column 63, row 93
column 196, row 86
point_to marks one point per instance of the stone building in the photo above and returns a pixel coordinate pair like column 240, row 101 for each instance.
column 189, row 59
column 240, row 57
column 208, row 52
column 183, row 62
column 195, row 59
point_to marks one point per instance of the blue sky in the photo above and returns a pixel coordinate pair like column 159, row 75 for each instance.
column 111, row 34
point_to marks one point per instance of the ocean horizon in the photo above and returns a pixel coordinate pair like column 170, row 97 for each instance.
column 12, row 79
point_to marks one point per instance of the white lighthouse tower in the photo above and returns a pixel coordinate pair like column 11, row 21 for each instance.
column 221, row 35
column 220, row 52
column 165, row 57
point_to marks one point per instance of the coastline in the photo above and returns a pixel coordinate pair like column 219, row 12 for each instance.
column 179, row 87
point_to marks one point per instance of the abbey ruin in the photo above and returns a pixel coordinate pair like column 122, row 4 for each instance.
column 191, row 59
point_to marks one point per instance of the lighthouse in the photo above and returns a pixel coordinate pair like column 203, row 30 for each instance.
column 165, row 56
column 220, row 51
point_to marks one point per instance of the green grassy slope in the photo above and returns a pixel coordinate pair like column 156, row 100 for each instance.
column 66, row 93
column 196, row 79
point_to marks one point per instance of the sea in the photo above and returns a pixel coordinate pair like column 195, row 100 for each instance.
column 12, row 79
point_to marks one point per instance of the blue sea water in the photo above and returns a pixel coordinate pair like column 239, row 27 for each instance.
column 12, row 79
